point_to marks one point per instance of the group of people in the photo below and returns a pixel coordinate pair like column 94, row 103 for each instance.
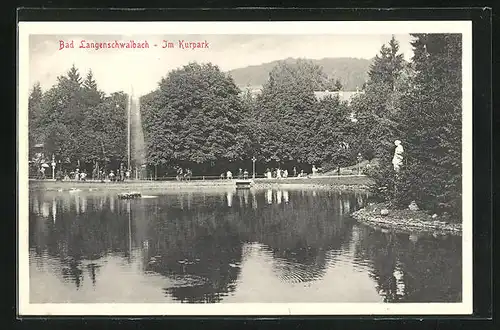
column 242, row 174
column 73, row 175
column 77, row 175
column 41, row 173
column 276, row 173
column 122, row 174
column 184, row 174
column 101, row 175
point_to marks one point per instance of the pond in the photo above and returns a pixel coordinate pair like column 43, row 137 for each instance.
column 229, row 246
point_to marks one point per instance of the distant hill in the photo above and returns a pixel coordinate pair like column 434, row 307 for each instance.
column 352, row 72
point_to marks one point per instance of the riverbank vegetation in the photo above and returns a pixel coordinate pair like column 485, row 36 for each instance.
column 198, row 118
column 424, row 111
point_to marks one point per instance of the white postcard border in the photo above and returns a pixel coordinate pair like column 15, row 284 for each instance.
column 25, row 308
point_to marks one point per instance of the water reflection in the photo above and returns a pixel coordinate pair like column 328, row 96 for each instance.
column 229, row 198
column 413, row 268
column 200, row 247
column 54, row 209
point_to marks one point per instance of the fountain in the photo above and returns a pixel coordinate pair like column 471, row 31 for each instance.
column 136, row 158
column 136, row 162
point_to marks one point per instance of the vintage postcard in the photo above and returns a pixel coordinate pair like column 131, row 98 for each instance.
column 245, row 168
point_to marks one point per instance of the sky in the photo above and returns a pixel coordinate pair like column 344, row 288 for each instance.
column 142, row 69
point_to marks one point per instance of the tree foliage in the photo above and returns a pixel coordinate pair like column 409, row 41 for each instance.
column 196, row 116
column 387, row 65
column 77, row 123
column 377, row 109
column 290, row 116
column 34, row 117
column 432, row 120
column 330, row 135
column 428, row 121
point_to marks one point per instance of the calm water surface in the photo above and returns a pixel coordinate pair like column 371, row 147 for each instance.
column 229, row 246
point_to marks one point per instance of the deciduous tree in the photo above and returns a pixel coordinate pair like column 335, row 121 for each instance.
column 195, row 117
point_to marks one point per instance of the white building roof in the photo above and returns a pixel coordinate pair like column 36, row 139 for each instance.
column 342, row 95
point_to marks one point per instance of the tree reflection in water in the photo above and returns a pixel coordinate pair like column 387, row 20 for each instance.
column 195, row 241
column 201, row 247
column 198, row 250
column 410, row 269
column 192, row 239
column 85, row 232
column 299, row 233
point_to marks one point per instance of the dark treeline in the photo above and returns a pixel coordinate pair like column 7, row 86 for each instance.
column 198, row 118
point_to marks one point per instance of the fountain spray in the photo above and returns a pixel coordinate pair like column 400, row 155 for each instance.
column 135, row 136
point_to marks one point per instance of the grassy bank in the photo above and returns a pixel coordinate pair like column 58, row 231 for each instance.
column 405, row 220
column 333, row 182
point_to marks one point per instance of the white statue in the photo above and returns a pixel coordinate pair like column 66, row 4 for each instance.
column 397, row 160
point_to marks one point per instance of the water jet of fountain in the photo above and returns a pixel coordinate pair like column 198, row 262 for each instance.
column 135, row 137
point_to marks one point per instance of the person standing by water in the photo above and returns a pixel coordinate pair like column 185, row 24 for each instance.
column 180, row 174
column 42, row 172
column 294, row 171
column 314, row 170
column 188, row 174
column 245, row 174
column 122, row 172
